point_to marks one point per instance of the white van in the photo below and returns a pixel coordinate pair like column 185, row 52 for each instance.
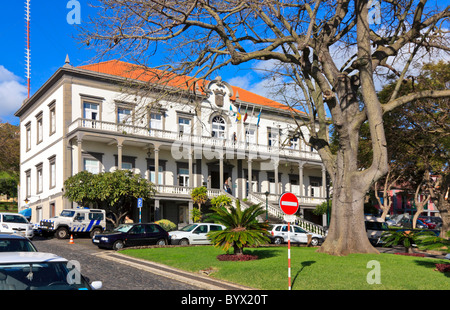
column 16, row 223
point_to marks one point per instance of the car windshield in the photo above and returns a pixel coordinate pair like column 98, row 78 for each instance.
column 123, row 228
column 12, row 218
column 189, row 227
column 41, row 276
column 16, row 245
column 67, row 213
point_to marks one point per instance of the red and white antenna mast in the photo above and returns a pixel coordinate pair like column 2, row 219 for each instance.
column 28, row 51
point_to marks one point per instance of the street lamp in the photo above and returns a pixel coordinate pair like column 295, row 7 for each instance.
column 267, row 205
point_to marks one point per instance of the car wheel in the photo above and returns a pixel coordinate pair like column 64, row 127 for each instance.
column 118, row 245
column 95, row 231
column 184, row 242
column 161, row 242
column 314, row 242
column 62, row 233
column 278, row 240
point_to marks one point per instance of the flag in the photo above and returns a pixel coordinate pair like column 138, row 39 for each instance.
column 246, row 115
column 231, row 110
column 259, row 117
column 238, row 115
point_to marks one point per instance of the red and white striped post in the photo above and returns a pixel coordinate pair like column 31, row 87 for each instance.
column 289, row 254
column 289, row 205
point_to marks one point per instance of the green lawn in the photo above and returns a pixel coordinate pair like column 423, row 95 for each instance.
column 309, row 270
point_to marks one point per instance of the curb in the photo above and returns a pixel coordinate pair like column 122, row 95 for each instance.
column 201, row 281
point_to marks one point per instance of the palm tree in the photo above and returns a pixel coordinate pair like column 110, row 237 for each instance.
column 199, row 195
column 242, row 228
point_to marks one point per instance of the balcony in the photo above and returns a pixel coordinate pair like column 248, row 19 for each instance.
column 181, row 138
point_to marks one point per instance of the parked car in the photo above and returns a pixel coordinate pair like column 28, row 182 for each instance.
column 14, row 222
column 427, row 222
column 15, row 243
column 279, row 235
column 126, row 235
column 40, row 271
column 375, row 227
column 194, row 233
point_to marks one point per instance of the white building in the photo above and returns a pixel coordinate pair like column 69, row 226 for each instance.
column 92, row 118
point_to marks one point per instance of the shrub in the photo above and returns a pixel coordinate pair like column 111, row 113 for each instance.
column 443, row 267
column 232, row 257
column 167, row 225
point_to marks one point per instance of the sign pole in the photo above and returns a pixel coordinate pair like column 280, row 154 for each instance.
column 139, row 205
column 289, row 254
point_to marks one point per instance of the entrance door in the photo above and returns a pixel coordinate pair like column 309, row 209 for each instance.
column 183, row 215
column 215, row 179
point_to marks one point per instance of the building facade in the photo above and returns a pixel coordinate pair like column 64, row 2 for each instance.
column 84, row 118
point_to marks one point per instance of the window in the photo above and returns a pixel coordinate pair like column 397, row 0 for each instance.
column 250, row 135
column 28, row 135
column 215, row 228
column 183, row 177
column 92, row 165
column 294, row 143
column 152, row 174
column 90, row 110
column 156, row 121
column 52, row 164
column 39, row 128
column 127, row 165
column 124, row 116
column 39, row 187
column 218, row 127
column 273, row 137
column 315, row 191
column 184, row 125
column 28, row 183
column 52, row 119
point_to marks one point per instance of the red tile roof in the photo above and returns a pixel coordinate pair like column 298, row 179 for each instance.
column 135, row 72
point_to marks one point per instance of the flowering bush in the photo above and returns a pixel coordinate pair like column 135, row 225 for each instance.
column 411, row 254
column 166, row 224
column 232, row 257
column 443, row 267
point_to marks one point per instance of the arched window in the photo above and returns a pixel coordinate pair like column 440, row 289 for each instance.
column 218, row 127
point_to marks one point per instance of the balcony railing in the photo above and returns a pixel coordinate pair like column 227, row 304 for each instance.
column 214, row 143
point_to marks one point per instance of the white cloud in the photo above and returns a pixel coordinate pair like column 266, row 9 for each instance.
column 12, row 93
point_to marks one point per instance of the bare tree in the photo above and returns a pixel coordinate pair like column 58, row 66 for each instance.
column 308, row 39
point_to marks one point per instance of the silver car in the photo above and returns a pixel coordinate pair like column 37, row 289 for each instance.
column 279, row 235
column 194, row 233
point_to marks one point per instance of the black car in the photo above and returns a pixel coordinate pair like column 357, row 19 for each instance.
column 128, row 235
column 15, row 243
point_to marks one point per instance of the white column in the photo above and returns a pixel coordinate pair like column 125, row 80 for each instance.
column 277, row 186
column 80, row 160
column 157, row 166
column 250, row 177
column 119, row 156
column 300, row 179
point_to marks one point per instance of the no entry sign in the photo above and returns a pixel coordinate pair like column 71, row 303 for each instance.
column 289, row 203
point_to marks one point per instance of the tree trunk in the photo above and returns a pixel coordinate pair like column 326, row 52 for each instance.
column 347, row 233
column 238, row 250
column 444, row 211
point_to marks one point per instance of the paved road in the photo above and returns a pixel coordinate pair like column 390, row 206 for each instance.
column 97, row 265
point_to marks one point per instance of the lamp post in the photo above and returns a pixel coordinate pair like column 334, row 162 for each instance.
column 267, row 205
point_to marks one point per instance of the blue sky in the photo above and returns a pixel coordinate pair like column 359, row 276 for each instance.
column 52, row 37
column 51, row 40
